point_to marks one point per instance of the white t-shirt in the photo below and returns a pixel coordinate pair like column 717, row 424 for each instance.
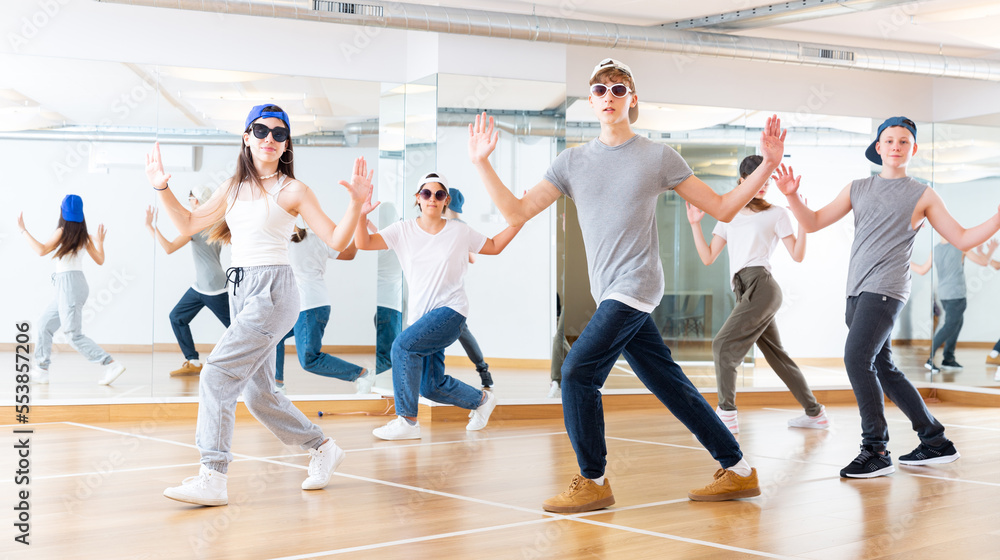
column 308, row 259
column 434, row 265
column 752, row 237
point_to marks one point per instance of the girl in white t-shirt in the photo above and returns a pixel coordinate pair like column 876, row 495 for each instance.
column 434, row 255
column 752, row 236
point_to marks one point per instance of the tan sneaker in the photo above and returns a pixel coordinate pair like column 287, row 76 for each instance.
column 186, row 369
column 583, row 495
column 993, row 361
column 727, row 486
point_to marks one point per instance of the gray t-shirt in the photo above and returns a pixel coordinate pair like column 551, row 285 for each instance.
column 883, row 236
column 209, row 277
column 950, row 266
column 615, row 191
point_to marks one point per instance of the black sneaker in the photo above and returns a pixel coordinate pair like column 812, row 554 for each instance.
column 950, row 364
column 930, row 365
column 868, row 464
column 485, row 377
column 926, row 455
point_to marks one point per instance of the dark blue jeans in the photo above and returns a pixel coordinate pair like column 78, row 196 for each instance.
column 868, row 359
column 185, row 311
column 418, row 364
column 947, row 335
column 388, row 325
column 308, row 332
column 617, row 329
column 471, row 347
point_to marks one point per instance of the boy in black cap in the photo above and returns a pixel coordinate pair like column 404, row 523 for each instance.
column 615, row 181
column 889, row 209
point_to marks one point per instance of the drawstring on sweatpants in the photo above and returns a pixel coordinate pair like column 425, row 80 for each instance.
column 234, row 275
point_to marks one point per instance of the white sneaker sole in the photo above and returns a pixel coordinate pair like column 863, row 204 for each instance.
column 194, row 499
column 875, row 474
column 932, row 461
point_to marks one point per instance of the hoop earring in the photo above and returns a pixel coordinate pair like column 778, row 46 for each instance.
column 290, row 159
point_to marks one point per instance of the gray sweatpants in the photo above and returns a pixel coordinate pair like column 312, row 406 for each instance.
column 758, row 299
column 66, row 310
column 264, row 306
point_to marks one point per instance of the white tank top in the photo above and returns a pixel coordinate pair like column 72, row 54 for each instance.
column 259, row 226
column 70, row 262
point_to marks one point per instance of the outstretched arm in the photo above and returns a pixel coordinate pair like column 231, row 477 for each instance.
column 186, row 221
column 95, row 245
column 983, row 254
column 37, row 246
column 707, row 253
column 810, row 220
column 168, row 246
column 922, row 269
column 496, row 244
column 363, row 239
column 932, row 207
column 796, row 245
column 482, row 141
column 724, row 207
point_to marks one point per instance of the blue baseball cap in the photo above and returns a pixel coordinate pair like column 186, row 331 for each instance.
column 872, row 155
column 457, row 200
column 258, row 112
column 72, row 208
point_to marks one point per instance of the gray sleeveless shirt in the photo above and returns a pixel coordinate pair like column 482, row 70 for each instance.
column 950, row 266
column 883, row 236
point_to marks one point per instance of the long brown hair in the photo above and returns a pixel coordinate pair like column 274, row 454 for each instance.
column 247, row 173
column 747, row 167
column 74, row 237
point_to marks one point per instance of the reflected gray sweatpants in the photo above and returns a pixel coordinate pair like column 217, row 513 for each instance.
column 758, row 299
column 264, row 305
column 66, row 310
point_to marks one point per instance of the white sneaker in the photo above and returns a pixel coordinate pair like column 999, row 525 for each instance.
column 365, row 382
column 555, row 392
column 728, row 418
column 40, row 376
column 481, row 415
column 398, row 429
column 322, row 462
column 818, row 422
column 280, row 387
column 114, row 370
column 206, row 489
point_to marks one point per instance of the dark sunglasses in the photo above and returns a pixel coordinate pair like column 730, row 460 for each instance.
column 279, row 133
column 426, row 194
column 617, row 90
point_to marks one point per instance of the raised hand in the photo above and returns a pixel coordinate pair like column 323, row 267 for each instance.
column 694, row 213
column 20, row 222
column 154, row 169
column 360, row 186
column 366, row 209
column 991, row 246
column 772, row 140
column 150, row 217
column 786, row 181
column 102, row 232
column 482, row 138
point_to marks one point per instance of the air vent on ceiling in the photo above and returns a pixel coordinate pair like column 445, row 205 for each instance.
column 347, row 8
column 827, row 54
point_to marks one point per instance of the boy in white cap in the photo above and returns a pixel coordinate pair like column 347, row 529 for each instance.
column 208, row 289
column 615, row 181
column 889, row 209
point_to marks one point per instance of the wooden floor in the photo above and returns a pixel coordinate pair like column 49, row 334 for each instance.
column 97, row 493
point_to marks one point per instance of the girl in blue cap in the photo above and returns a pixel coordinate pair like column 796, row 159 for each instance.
column 889, row 209
column 66, row 309
column 255, row 211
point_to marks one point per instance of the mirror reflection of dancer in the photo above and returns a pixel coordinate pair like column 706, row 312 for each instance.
column 889, row 209
column 255, row 211
column 434, row 254
column 615, row 181
column 466, row 339
column 949, row 263
column 308, row 255
column 208, row 290
column 752, row 236
column 66, row 309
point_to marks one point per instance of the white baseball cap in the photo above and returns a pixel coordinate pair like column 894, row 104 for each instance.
column 433, row 177
column 633, row 112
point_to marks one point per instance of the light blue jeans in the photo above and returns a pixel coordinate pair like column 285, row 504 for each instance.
column 418, row 364
column 308, row 334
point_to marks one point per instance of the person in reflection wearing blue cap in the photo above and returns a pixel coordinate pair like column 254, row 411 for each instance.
column 255, row 211
column 889, row 209
column 468, row 342
column 66, row 309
